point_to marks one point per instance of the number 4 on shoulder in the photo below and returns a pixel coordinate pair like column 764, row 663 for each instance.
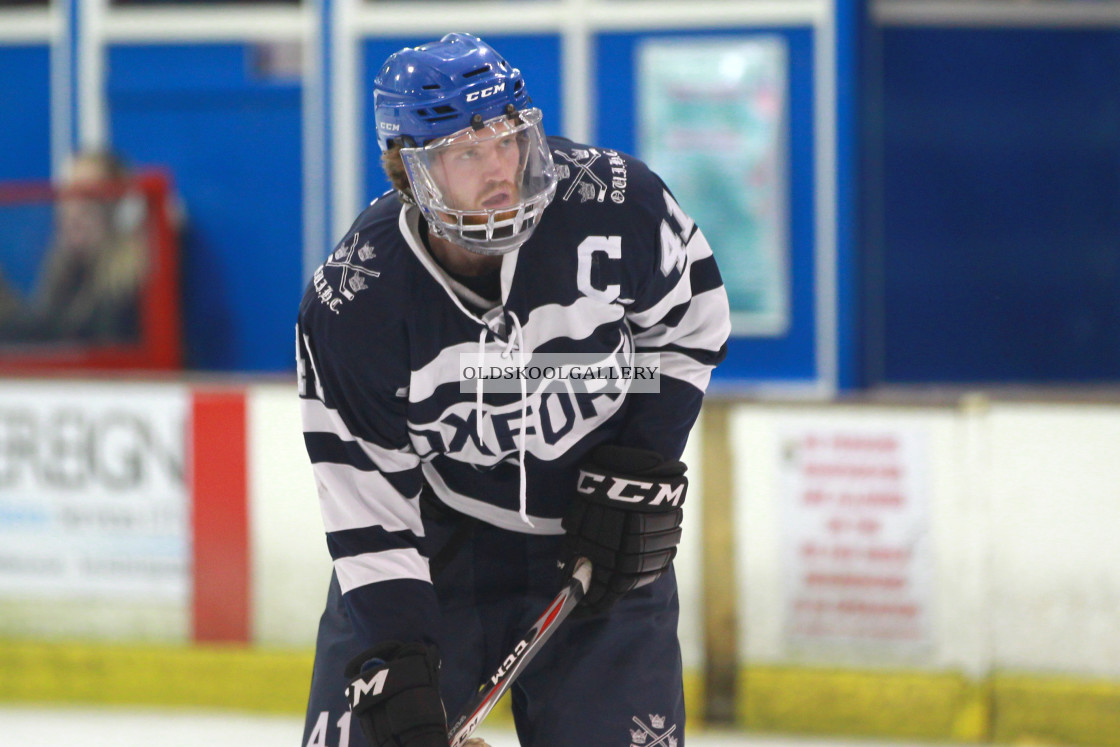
column 674, row 244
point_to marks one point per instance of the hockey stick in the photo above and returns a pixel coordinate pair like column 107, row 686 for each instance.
column 493, row 689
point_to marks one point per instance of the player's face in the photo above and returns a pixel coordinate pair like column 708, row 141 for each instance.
column 83, row 224
column 480, row 172
column 83, row 219
column 484, row 189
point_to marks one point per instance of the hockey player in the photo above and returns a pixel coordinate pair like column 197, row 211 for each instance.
column 449, row 506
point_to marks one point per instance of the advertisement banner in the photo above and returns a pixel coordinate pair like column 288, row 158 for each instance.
column 93, row 495
column 857, row 550
column 712, row 123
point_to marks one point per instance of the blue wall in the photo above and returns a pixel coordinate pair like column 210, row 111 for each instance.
column 999, row 246
column 988, row 194
column 232, row 141
column 25, row 107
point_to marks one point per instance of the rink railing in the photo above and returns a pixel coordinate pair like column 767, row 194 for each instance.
column 941, row 568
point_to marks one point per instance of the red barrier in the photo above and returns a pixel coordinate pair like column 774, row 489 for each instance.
column 158, row 346
column 220, row 516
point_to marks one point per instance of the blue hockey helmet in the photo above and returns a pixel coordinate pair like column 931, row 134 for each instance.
column 474, row 150
column 433, row 90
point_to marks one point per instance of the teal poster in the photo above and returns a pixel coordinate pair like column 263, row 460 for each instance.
column 712, row 118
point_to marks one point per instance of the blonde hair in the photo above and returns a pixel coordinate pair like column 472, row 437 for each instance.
column 393, row 166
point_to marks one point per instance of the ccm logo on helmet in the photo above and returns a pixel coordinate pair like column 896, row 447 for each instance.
column 630, row 491
column 476, row 95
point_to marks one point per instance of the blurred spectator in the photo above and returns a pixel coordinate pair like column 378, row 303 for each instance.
column 90, row 281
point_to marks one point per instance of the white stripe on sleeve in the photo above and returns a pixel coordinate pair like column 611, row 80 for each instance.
column 318, row 418
column 350, row 498
column 704, row 326
column 683, row 368
column 314, row 368
column 698, row 249
column 374, row 567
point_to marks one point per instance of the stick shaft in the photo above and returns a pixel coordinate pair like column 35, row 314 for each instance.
column 522, row 653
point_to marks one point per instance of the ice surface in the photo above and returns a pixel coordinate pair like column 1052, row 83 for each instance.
column 45, row 726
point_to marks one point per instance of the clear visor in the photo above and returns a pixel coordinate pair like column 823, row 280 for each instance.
column 485, row 188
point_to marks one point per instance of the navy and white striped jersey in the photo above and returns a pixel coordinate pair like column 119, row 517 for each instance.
column 614, row 264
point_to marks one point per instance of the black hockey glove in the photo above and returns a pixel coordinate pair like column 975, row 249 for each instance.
column 394, row 694
column 625, row 519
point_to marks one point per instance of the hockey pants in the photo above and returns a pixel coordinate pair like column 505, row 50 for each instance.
column 611, row 680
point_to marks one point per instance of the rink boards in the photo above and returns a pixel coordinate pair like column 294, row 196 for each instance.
column 941, row 570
